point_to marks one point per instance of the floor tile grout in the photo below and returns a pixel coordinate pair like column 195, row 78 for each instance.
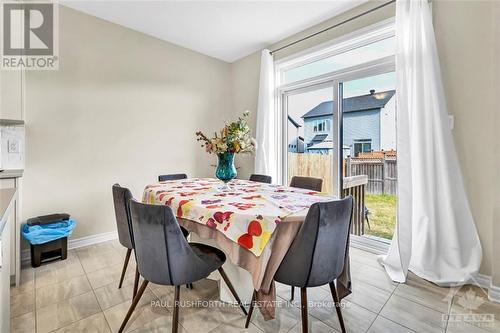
column 411, row 300
column 392, row 294
column 35, row 311
column 99, row 304
column 379, row 315
column 72, row 323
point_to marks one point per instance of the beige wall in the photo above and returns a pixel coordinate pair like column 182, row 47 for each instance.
column 108, row 115
column 123, row 107
column 464, row 34
column 245, row 81
column 495, row 13
column 464, row 31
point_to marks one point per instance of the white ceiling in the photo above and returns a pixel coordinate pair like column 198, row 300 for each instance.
column 227, row 30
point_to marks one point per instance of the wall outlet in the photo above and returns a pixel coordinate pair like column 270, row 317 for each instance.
column 13, row 146
column 451, row 121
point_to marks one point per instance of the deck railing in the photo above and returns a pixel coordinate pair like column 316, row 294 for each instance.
column 316, row 165
column 356, row 186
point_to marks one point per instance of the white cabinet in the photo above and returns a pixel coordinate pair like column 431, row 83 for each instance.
column 5, row 268
column 14, row 229
column 7, row 220
column 12, row 88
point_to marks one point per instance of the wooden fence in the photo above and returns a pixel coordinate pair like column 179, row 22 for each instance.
column 381, row 172
column 311, row 165
column 320, row 166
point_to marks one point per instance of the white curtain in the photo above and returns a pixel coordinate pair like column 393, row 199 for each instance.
column 435, row 235
column 266, row 158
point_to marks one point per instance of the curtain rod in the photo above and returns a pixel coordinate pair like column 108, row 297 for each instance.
column 333, row 26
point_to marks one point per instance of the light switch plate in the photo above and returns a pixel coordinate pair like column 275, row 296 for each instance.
column 13, row 146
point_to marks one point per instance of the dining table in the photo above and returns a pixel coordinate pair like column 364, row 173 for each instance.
column 253, row 223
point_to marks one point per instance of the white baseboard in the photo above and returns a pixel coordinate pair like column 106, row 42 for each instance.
column 486, row 282
column 79, row 242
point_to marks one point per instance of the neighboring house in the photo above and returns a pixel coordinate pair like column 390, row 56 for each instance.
column 326, row 147
column 296, row 145
column 369, row 124
column 295, row 142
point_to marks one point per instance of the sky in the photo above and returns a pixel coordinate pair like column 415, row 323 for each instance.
column 353, row 57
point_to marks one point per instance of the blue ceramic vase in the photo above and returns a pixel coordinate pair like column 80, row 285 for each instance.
column 225, row 167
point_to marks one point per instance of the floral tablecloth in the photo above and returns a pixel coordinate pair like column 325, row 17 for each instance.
column 247, row 213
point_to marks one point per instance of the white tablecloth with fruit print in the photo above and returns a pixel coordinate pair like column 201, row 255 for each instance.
column 247, row 212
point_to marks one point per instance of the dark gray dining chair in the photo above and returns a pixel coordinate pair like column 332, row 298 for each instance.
column 164, row 256
column 261, row 178
column 317, row 254
column 173, row 176
column 308, row 183
column 121, row 199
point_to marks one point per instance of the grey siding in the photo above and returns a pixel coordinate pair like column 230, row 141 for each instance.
column 309, row 125
column 362, row 125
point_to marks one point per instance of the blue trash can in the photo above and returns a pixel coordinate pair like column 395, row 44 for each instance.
column 48, row 237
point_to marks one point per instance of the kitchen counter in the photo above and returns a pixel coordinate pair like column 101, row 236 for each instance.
column 11, row 173
column 7, row 197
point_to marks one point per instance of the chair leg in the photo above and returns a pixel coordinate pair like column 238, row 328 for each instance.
column 133, row 305
column 303, row 308
column 250, row 310
column 231, row 288
column 175, row 316
column 136, row 281
column 337, row 306
column 125, row 264
column 293, row 293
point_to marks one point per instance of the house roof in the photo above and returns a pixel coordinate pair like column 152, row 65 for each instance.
column 357, row 103
column 327, row 144
column 296, row 124
column 322, row 145
column 319, row 137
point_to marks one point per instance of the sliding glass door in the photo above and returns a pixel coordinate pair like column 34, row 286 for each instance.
column 310, row 136
column 369, row 149
column 350, row 145
column 338, row 111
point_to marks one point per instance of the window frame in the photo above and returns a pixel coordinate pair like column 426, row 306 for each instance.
column 361, row 142
column 376, row 32
column 351, row 41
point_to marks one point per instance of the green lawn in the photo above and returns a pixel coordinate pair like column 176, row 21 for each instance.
column 382, row 215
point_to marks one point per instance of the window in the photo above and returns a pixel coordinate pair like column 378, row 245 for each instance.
column 343, row 96
column 362, row 146
column 370, row 52
column 321, row 126
column 310, row 85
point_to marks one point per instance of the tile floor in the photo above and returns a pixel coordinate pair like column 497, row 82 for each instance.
column 81, row 294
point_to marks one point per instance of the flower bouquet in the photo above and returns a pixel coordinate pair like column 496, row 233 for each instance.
column 234, row 138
